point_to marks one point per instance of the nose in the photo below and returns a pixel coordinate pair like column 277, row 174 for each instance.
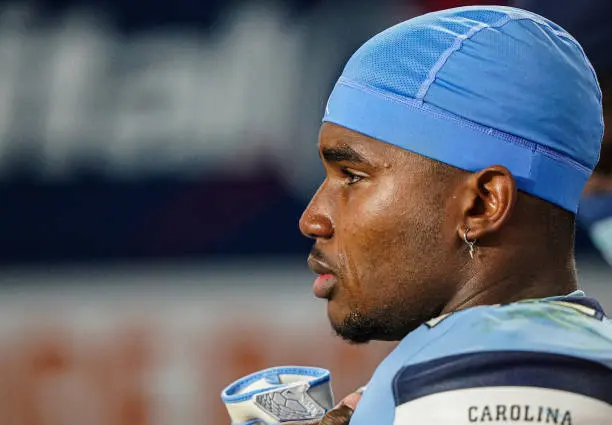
column 316, row 222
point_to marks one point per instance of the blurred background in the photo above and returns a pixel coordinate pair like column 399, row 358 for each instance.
column 155, row 158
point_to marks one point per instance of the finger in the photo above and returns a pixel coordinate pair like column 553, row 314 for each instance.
column 350, row 401
column 338, row 416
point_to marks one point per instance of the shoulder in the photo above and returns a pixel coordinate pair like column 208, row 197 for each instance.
column 555, row 326
column 540, row 362
column 529, row 360
column 510, row 386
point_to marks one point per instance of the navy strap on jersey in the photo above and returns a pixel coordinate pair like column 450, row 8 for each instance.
column 504, row 368
column 587, row 302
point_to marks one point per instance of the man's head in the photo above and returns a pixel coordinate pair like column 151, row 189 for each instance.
column 424, row 149
column 389, row 226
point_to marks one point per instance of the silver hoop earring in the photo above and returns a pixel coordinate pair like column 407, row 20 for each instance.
column 469, row 243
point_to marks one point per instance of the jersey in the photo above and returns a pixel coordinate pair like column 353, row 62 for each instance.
column 530, row 362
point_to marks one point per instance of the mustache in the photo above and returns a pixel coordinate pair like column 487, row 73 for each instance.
column 317, row 254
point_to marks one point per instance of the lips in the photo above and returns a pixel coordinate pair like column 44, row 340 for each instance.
column 319, row 266
column 324, row 284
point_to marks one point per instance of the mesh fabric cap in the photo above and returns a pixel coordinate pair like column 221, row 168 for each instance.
column 479, row 86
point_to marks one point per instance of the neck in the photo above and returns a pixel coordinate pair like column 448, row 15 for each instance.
column 489, row 284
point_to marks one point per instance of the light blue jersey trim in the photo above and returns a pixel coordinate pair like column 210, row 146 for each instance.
column 543, row 326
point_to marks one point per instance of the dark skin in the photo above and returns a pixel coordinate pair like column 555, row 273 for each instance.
column 389, row 224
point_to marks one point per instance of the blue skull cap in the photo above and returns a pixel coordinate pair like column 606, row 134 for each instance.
column 479, row 86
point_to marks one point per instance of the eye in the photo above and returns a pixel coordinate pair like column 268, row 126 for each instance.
column 351, row 177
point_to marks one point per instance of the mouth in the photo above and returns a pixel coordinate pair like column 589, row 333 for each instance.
column 324, row 284
column 320, row 267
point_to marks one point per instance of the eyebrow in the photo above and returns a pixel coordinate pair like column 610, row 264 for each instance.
column 342, row 153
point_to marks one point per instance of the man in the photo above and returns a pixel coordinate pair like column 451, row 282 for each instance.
column 456, row 147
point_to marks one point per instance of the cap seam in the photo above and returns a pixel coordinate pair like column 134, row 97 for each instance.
column 440, row 113
column 459, row 40
column 455, row 46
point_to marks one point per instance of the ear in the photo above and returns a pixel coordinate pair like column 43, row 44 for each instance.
column 487, row 201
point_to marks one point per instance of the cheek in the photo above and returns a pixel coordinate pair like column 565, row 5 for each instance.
column 374, row 239
column 367, row 217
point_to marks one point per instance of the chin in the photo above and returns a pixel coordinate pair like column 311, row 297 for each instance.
column 358, row 327
column 350, row 335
